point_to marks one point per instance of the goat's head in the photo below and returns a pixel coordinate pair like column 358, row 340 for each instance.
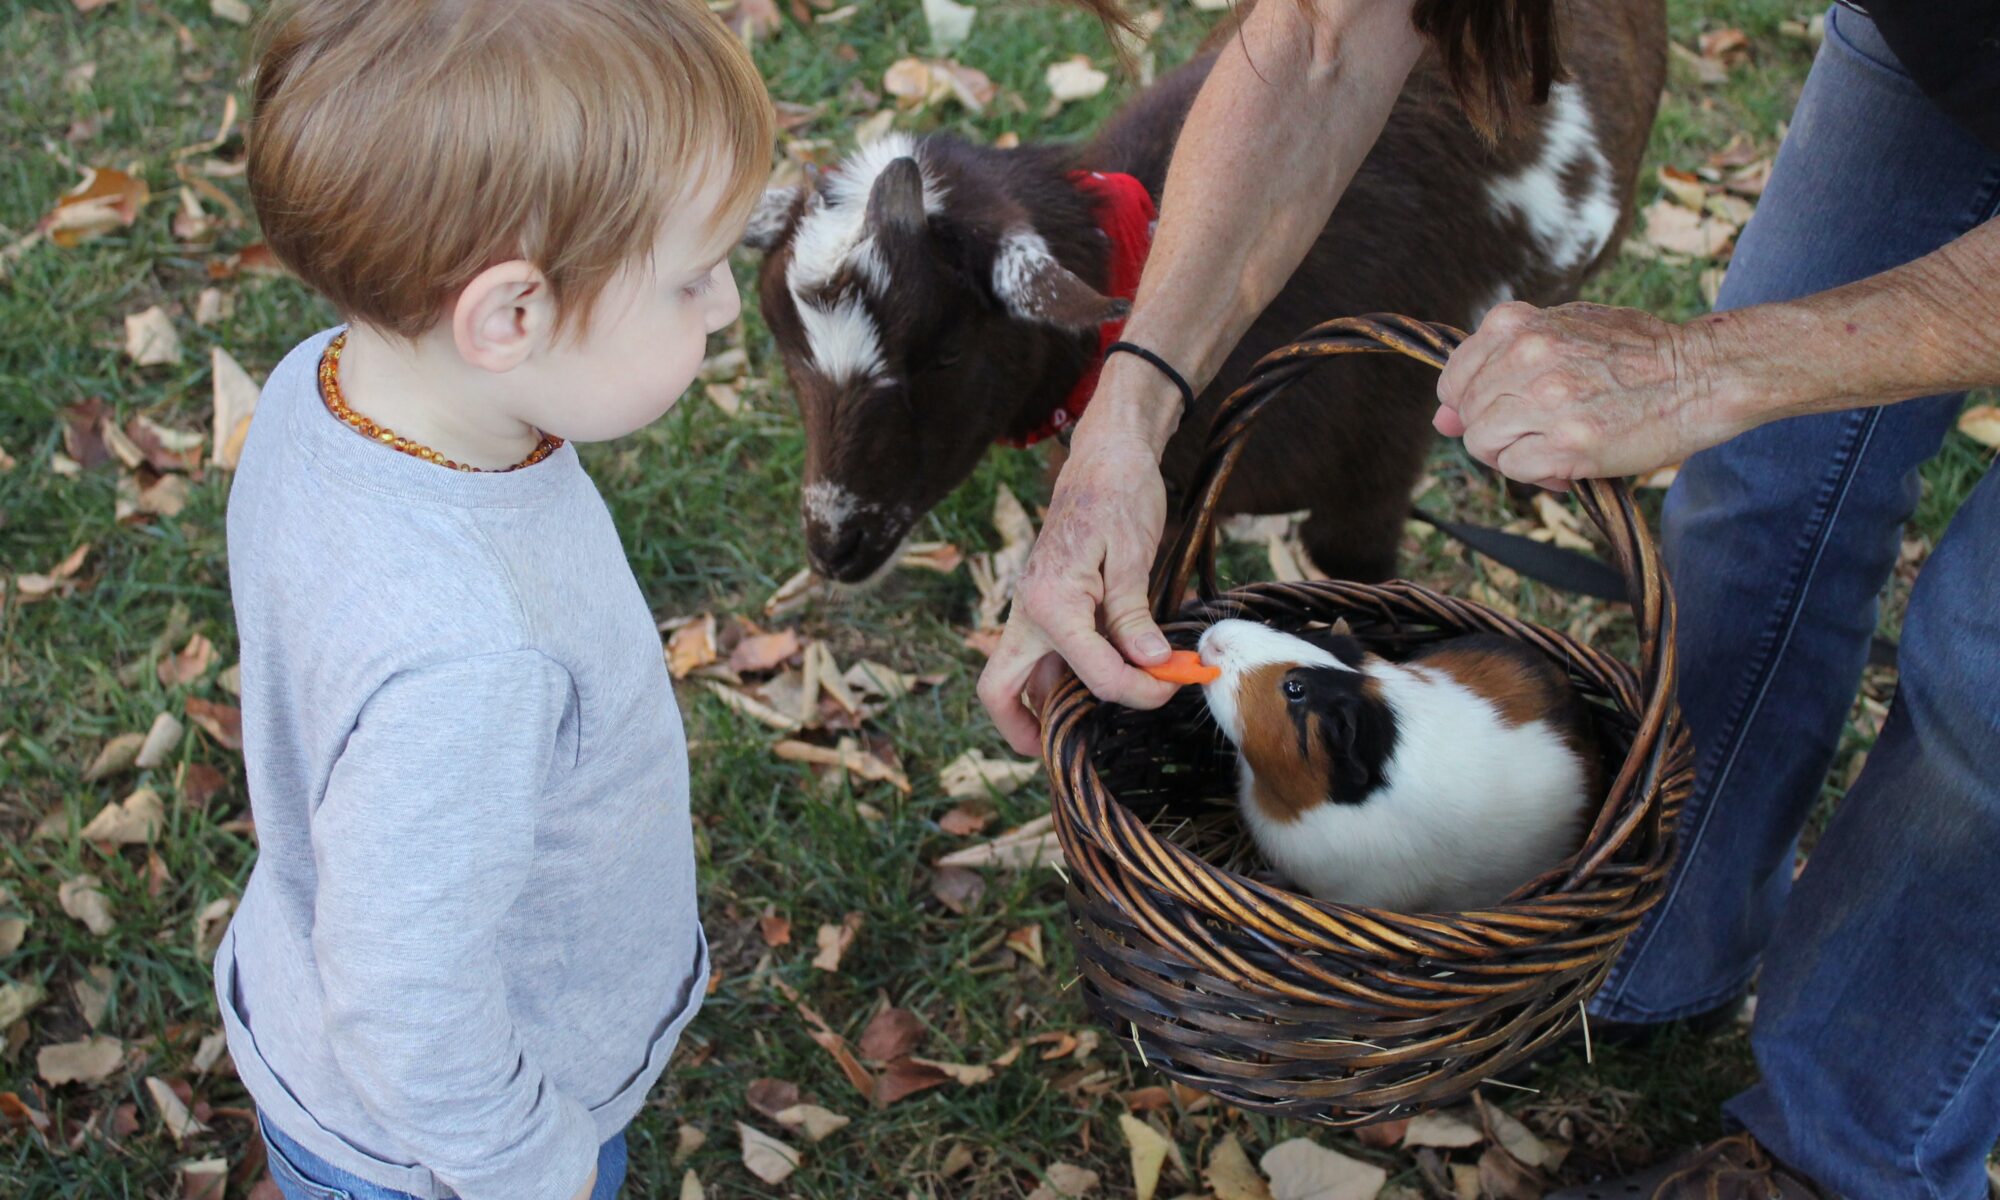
column 921, row 315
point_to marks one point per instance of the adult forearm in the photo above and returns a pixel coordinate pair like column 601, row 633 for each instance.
column 1286, row 117
column 1927, row 327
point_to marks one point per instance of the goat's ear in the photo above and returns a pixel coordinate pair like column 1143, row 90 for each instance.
column 896, row 201
column 771, row 218
column 1035, row 287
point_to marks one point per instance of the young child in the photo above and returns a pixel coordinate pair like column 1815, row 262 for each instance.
column 470, row 942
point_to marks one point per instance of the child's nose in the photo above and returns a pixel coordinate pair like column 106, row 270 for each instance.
column 728, row 302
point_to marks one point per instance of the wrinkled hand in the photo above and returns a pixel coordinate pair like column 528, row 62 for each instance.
column 1581, row 391
column 1083, row 594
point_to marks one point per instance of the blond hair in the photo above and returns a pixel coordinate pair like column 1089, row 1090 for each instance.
column 400, row 147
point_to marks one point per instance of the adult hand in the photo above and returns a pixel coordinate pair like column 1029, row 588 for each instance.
column 1083, row 594
column 1582, row 391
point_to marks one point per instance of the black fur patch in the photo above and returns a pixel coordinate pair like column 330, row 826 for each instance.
column 1354, row 725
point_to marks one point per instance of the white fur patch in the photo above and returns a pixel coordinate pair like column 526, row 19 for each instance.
column 1571, row 233
column 768, row 219
column 1470, row 807
column 830, row 506
column 843, row 340
column 1019, row 273
column 833, row 228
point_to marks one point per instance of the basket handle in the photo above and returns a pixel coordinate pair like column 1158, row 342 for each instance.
column 1607, row 502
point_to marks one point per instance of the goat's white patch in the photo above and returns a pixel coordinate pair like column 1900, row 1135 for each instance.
column 1020, row 273
column 833, row 229
column 831, row 506
column 769, row 218
column 1570, row 232
column 843, row 340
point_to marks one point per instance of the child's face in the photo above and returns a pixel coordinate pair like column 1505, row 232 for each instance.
column 645, row 341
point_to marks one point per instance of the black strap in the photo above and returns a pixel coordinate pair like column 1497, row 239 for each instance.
column 1159, row 364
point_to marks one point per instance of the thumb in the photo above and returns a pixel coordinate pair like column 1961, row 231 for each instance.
column 1448, row 422
column 1128, row 622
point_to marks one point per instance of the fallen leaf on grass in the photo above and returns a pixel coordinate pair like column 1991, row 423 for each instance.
column 235, row 402
column 1561, row 523
column 14, row 1112
column 753, row 708
column 958, row 888
column 1383, row 1135
column 771, row 1096
column 19, row 999
column 1027, row 942
column 692, row 646
column 691, row 1188
column 1729, row 47
column 834, row 942
column 173, row 1110
column 1032, row 845
column 164, row 734
column 817, row 1123
column 133, row 821
column 14, row 930
column 950, row 23
column 213, row 306
column 1302, row 1169
column 1503, row 1178
column 765, row 1156
column 974, row 776
column 687, row 1140
column 1515, row 1137
column 147, row 493
column 165, row 448
column 775, row 929
column 998, row 573
column 861, row 1077
column 903, row 1078
column 848, row 756
column 1441, row 1131
column 116, row 757
column 60, row 578
column 942, row 557
column 213, row 1046
column 794, row 594
column 80, row 898
column 89, row 1061
column 1074, row 79
column 189, row 665
column 1684, row 186
column 1981, row 423
column 964, row 1074
column 210, row 924
column 1065, row 1181
column 1707, row 71
column 223, row 722
column 105, row 200
column 150, row 340
column 1679, row 230
column 764, row 652
column 204, row 1180
column 969, row 818
column 1149, row 1154
column 893, row 1033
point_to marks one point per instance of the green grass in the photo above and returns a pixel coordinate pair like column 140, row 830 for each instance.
column 706, row 505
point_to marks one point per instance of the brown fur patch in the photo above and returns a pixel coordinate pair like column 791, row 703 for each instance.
column 1289, row 782
column 1521, row 693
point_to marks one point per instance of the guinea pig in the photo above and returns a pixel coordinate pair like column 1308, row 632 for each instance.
column 1434, row 785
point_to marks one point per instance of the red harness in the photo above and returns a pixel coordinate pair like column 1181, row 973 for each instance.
column 1126, row 215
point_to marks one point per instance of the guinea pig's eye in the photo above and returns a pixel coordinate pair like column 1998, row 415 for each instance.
column 1294, row 690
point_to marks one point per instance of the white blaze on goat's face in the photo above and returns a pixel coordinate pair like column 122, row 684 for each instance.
column 1240, row 648
column 833, row 237
column 1571, row 232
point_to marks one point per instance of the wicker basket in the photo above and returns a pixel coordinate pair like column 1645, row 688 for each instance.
column 1280, row 1003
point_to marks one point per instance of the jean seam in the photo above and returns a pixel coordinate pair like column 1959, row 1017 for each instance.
column 1979, row 214
column 1773, row 644
column 1952, row 1090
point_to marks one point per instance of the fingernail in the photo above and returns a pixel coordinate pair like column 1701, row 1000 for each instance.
column 1153, row 646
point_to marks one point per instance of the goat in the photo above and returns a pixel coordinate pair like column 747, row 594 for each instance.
column 930, row 296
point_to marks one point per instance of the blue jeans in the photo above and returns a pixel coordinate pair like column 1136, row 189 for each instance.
column 302, row 1175
column 1877, row 1033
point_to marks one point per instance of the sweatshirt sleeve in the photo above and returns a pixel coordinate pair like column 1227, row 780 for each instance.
column 422, row 843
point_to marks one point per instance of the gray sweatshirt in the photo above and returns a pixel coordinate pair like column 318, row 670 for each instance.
column 470, row 943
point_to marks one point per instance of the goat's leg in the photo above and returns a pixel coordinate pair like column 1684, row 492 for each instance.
column 1357, row 540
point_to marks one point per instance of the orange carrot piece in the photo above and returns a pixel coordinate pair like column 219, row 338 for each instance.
column 1184, row 667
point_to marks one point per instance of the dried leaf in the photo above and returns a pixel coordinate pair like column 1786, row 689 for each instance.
column 691, row 1187
column 173, row 1110
column 1302, row 1169
column 189, row 665
column 950, row 23
column 117, row 757
column 1383, row 1135
column 1707, row 71
column 1502, row 1178
column 1149, row 1154
column 861, row 1077
column 893, row 1033
column 160, row 741
column 1710, row 283
column 942, row 557
column 149, row 493
column 150, row 339
column 14, row 930
column 1981, row 423
column 1729, row 47
column 1515, row 1137
column 211, row 923
column 59, row 578
column 903, row 1078
column 687, row 1140
column 755, row 709
column 692, row 646
column 1065, row 1181
column 213, row 306
column 818, row 1123
column 908, row 80
column 14, row 1112
column 1027, row 942
column 1442, row 1131
column 133, row 821
column 765, row 652
column 208, row 1178
column 849, row 756
column 974, row 776
column 105, row 200
column 963, row 1074
column 1564, row 526
column 209, row 1053
column 834, row 941
column 958, row 888
column 795, row 593
column 165, row 448
column 80, row 898
column 235, row 401
column 771, row 1096
column 970, row 86
column 234, row 11
column 1681, row 230
column 1684, row 186
column 775, row 929
column 874, row 128
column 1025, row 848
column 19, row 999
column 89, row 1061
column 223, row 722
column 969, row 818
column 766, row 1157
column 1074, row 79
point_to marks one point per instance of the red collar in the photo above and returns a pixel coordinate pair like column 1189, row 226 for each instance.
column 1126, row 215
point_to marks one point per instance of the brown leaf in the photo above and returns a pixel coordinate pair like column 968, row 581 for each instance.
column 13, row 930
column 818, row 1123
column 1381, row 1136
column 1302, row 1169
column 893, row 1033
column 222, row 722
column 974, row 776
column 1147, row 1099
column 691, row 1188
column 834, row 941
column 1515, row 1137
column 1027, row 942
column 1684, row 186
column 1730, row 47
column 133, row 821
column 1065, row 1181
column 849, row 756
column 1442, row 1131
column 963, row 1074
column 161, row 739
column 692, row 646
column 905, row 1077
column 236, row 12
column 105, row 200
column 147, row 493
column 687, row 1140
column 15, row 1113
column 1680, row 230
column 957, row 888
column 211, row 923
column 60, row 577
column 766, row 1157
column 80, row 898
column 116, row 757
column 771, row 1096
column 1707, row 71
column 942, row 557
column 1074, row 79
column 766, row 652
column 1502, row 1178
column 173, row 1110
column 199, row 783
column 189, row 665
column 1149, row 1154
column 83, row 425
column 204, row 1180
column 17, row 1000
column 1981, row 423
column 969, row 818
column 234, row 398
column 89, row 1061
column 150, row 338
column 776, row 929
column 850, row 1066
column 1029, row 846
column 752, row 707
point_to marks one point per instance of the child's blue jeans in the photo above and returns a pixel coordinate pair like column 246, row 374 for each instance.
column 1877, row 1032
column 302, row 1175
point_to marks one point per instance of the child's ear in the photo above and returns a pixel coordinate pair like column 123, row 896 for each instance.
column 502, row 316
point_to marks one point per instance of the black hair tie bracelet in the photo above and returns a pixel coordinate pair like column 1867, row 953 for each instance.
column 1159, row 364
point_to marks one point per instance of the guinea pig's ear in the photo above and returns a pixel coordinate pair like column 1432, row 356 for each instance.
column 1358, row 733
column 1340, row 628
column 1337, row 641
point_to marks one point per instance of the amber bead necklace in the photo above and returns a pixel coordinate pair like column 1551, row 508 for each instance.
column 329, row 390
